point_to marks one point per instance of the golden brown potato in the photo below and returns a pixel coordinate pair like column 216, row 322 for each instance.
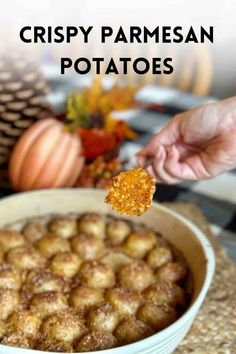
column 34, row 230
column 9, row 301
column 172, row 272
column 54, row 345
column 25, row 322
column 96, row 341
column 25, row 257
column 65, row 264
column 83, row 297
column 16, row 339
column 50, row 245
column 102, row 318
column 157, row 316
column 117, row 231
column 2, row 329
column 131, row 330
column 139, row 243
column 165, row 293
column 63, row 326
column 10, row 277
column 93, row 224
column 136, row 276
column 10, row 239
column 96, row 275
column 88, row 247
column 41, row 280
column 48, row 303
column 63, row 226
column 116, row 260
column 125, row 301
column 159, row 256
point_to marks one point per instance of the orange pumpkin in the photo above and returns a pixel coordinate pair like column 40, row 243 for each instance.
column 46, row 156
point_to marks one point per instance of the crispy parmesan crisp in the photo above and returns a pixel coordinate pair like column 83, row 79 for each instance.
column 131, row 192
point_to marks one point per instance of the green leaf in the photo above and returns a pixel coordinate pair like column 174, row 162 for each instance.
column 77, row 112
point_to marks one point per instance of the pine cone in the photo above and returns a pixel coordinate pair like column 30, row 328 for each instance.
column 22, row 91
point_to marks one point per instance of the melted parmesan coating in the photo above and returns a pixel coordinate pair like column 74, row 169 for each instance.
column 131, row 192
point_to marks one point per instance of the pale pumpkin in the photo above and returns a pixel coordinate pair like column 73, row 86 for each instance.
column 46, row 156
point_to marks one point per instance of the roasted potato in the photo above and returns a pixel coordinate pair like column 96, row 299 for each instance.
column 136, row 276
column 96, row 275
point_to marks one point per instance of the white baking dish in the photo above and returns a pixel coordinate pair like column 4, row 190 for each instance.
column 175, row 228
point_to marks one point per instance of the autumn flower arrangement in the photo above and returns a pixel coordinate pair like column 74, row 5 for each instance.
column 79, row 148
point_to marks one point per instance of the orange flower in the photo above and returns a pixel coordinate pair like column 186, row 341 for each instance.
column 119, row 128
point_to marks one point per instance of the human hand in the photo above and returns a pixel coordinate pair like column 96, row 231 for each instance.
column 197, row 144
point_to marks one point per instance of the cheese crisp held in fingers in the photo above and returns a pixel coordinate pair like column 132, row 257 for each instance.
column 131, row 192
